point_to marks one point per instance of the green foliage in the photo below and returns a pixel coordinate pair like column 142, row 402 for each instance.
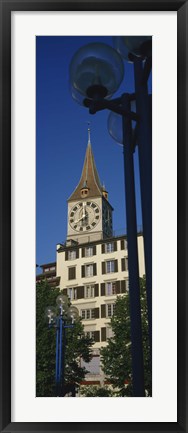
column 116, row 357
column 96, row 391
column 77, row 345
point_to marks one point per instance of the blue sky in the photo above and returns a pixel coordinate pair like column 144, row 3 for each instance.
column 61, row 141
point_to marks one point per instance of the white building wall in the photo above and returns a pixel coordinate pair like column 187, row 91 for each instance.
column 96, row 302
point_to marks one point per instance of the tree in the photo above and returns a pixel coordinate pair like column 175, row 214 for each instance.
column 77, row 345
column 116, row 356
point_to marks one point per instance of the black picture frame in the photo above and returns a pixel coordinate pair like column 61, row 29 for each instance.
column 6, row 7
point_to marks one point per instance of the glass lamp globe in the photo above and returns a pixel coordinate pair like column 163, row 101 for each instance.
column 138, row 45
column 96, row 71
column 50, row 314
column 73, row 313
column 115, row 127
column 115, row 124
column 62, row 303
column 76, row 96
column 61, row 300
column 121, row 48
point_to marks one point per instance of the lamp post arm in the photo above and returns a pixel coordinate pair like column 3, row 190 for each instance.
column 115, row 105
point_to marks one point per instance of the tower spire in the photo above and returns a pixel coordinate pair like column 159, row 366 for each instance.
column 89, row 178
column 89, row 132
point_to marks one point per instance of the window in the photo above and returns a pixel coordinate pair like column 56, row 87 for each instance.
column 90, row 334
column 89, row 291
column 123, row 244
column 110, row 266
column 88, row 314
column 72, row 293
column 46, row 269
column 88, row 270
column 72, row 273
column 127, row 285
column 110, row 310
column 109, row 332
column 89, row 251
column 110, row 288
column 71, row 255
column 109, row 247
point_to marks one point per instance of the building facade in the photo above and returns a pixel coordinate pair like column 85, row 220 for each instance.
column 92, row 265
column 48, row 274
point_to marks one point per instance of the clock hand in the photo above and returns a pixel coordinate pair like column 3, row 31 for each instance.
column 84, row 209
column 78, row 220
column 83, row 217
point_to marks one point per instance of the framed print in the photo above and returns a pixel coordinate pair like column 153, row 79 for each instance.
column 43, row 202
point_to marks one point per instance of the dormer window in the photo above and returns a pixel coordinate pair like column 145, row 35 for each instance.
column 84, row 192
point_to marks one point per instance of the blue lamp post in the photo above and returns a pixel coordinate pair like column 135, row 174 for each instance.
column 64, row 319
column 96, row 72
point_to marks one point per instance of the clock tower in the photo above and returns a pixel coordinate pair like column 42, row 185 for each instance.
column 89, row 211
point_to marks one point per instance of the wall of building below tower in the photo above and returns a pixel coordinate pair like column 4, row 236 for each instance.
column 92, row 276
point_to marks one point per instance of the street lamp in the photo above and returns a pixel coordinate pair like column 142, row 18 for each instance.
column 96, row 72
column 62, row 319
column 140, row 48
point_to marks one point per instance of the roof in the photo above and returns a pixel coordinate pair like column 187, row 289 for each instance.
column 89, row 177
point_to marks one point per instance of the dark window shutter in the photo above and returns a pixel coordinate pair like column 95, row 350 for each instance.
column 96, row 313
column 115, row 245
column 123, row 264
column 122, row 244
column 83, row 271
column 115, row 266
column 123, row 286
column 126, row 264
column 103, row 334
column 64, row 292
column 97, row 336
column 72, row 273
column 103, row 248
column 103, row 289
column 103, row 311
column 96, row 290
column 80, row 292
column 103, row 268
column 94, row 269
column 83, row 252
column 66, row 255
column 77, row 253
column 94, row 250
column 117, row 287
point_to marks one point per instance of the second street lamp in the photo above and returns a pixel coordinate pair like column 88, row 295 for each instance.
column 62, row 320
column 98, row 84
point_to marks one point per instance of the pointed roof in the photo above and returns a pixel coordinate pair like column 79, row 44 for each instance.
column 89, row 177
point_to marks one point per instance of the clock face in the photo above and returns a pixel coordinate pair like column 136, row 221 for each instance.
column 84, row 216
